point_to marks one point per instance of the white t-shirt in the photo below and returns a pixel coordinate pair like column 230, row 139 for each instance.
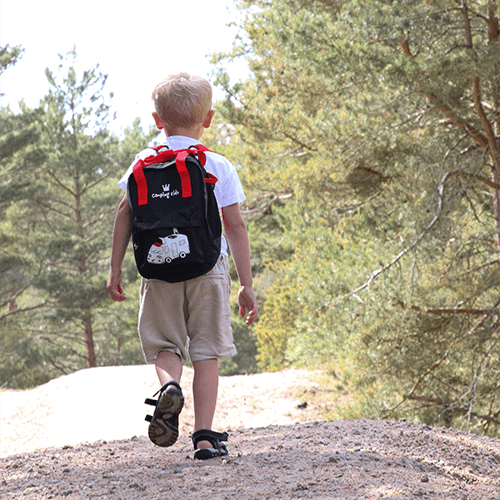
column 228, row 189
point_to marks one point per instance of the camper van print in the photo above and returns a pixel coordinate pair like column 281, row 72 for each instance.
column 173, row 246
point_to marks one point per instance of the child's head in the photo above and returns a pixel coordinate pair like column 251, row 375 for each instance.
column 183, row 100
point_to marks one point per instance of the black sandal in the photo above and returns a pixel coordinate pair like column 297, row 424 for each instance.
column 164, row 424
column 218, row 450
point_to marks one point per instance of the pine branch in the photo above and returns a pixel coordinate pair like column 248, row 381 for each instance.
column 25, row 309
column 454, row 310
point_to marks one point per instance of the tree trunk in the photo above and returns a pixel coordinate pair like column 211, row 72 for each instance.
column 89, row 340
column 493, row 37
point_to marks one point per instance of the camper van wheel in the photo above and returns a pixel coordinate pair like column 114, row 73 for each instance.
column 168, row 260
column 182, row 255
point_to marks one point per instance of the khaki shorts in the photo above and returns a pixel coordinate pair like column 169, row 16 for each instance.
column 196, row 309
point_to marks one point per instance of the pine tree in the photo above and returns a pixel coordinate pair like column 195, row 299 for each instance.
column 382, row 121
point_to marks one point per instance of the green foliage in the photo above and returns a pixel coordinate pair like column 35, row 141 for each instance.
column 9, row 56
column 22, row 360
column 377, row 126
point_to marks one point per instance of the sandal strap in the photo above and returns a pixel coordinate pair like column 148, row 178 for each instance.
column 154, row 402
column 214, row 438
column 165, row 387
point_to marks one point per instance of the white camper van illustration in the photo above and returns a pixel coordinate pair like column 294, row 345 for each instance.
column 173, row 246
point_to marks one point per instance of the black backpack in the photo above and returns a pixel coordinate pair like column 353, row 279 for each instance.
column 176, row 227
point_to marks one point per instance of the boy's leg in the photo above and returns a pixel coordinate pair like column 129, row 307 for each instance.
column 168, row 367
column 205, row 389
column 211, row 338
column 163, row 427
column 163, row 335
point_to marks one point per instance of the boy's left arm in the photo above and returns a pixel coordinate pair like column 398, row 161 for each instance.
column 237, row 237
column 122, row 231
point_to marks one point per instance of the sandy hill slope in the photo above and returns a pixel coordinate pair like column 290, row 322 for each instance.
column 83, row 436
column 108, row 403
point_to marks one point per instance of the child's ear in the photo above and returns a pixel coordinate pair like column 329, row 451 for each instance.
column 159, row 123
column 208, row 119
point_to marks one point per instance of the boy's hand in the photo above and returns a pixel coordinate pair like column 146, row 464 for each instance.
column 114, row 287
column 248, row 303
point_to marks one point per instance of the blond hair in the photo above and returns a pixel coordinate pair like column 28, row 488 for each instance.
column 183, row 100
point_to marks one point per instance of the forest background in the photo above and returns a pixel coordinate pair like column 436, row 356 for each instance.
column 367, row 140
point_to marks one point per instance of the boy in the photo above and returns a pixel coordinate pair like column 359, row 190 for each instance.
column 198, row 308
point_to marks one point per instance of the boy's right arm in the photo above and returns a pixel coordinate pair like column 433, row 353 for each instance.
column 237, row 237
column 122, row 232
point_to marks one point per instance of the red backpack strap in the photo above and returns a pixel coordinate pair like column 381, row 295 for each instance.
column 201, row 150
column 211, row 179
column 142, row 185
column 180, row 162
column 138, row 172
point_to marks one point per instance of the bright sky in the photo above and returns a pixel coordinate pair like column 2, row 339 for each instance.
column 135, row 43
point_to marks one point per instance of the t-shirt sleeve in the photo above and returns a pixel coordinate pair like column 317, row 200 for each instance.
column 228, row 189
column 124, row 180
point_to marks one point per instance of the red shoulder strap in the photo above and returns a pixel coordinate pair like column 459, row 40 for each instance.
column 201, row 149
column 142, row 185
